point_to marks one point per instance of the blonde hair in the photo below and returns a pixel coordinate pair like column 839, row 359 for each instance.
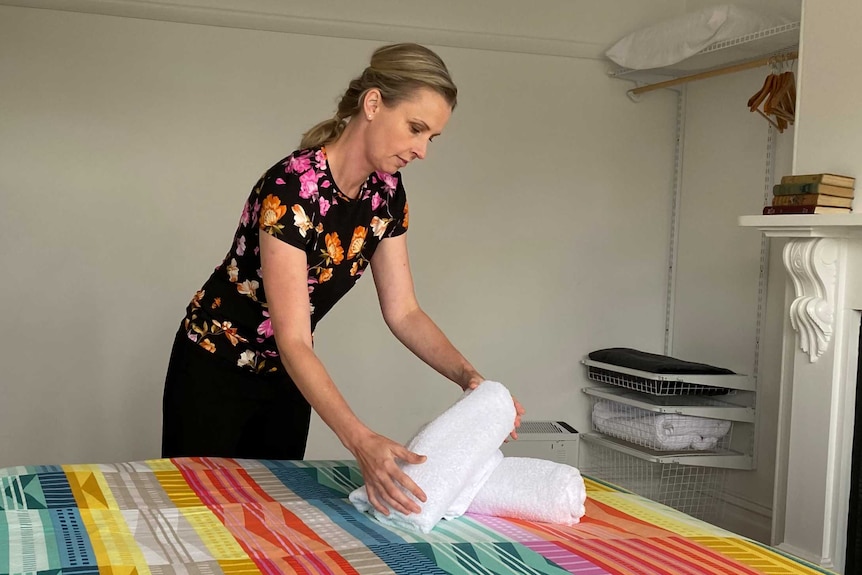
column 397, row 70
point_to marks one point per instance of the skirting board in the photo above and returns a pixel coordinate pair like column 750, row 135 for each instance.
column 240, row 16
column 796, row 552
column 746, row 517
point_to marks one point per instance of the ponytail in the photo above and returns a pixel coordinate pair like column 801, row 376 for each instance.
column 325, row 132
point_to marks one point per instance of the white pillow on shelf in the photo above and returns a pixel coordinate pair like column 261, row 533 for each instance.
column 674, row 40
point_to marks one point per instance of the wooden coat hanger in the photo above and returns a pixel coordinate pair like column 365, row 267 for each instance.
column 755, row 101
column 785, row 99
column 777, row 97
column 762, row 96
column 773, row 104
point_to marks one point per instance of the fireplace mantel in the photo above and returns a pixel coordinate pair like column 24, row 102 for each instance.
column 823, row 274
column 806, row 225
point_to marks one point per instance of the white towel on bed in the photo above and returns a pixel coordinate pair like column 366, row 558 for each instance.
column 459, row 445
column 459, row 507
column 533, row 489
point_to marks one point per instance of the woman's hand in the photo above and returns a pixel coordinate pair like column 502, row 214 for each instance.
column 376, row 456
column 519, row 409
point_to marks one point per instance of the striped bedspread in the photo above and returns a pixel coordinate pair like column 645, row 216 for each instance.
column 208, row 515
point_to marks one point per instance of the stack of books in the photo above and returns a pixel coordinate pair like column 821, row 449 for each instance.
column 812, row 194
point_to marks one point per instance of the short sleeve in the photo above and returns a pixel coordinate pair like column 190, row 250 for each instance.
column 289, row 209
column 400, row 211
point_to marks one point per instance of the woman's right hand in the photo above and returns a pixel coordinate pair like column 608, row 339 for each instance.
column 376, row 456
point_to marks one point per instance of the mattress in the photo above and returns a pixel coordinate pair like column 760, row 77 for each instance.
column 232, row 516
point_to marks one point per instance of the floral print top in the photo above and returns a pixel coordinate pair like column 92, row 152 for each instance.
column 297, row 202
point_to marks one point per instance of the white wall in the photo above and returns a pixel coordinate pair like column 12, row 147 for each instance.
column 718, row 265
column 539, row 223
column 829, row 134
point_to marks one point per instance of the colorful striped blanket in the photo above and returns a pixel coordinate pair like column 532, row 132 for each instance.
column 209, row 515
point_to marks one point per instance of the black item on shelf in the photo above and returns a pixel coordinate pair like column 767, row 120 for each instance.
column 654, row 363
column 652, row 386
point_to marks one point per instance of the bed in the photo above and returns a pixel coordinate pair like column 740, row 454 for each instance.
column 213, row 515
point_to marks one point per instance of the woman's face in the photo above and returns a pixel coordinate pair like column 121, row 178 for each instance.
column 398, row 134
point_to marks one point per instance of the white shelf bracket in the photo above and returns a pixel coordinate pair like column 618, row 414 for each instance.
column 812, row 264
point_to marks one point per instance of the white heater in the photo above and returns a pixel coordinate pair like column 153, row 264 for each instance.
column 553, row 440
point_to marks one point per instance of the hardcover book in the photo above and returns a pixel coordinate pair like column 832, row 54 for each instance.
column 812, row 188
column 772, row 210
column 812, row 200
column 829, row 179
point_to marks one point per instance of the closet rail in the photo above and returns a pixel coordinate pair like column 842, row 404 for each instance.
column 717, row 72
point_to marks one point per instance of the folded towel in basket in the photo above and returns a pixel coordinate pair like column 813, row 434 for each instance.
column 667, row 424
column 662, row 431
column 672, row 424
column 460, row 445
column 532, row 489
column 643, row 432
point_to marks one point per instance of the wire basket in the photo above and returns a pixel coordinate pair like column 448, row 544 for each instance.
column 651, row 386
column 691, row 489
column 660, row 431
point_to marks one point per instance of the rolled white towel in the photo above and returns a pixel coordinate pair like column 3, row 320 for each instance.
column 644, row 431
column 662, row 431
column 604, row 410
column 668, row 423
column 675, row 424
column 704, row 443
column 533, row 489
column 459, row 507
column 458, row 445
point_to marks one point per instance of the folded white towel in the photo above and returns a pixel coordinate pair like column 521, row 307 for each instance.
column 666, row 423
column 604, row 410
column 459, row 506
column 674, row 424
column 666, row 432
column 459, row 445
column 533, row 489
column 643, row 432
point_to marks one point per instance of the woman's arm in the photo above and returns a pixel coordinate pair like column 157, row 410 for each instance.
column 412, row 326
column 286, row 281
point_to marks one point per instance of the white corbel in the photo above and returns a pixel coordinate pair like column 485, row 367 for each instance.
column 812, row 264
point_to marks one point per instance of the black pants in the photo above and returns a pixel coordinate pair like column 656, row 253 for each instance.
column 215, row 409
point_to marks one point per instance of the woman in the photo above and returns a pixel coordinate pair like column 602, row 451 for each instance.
column 243, row 374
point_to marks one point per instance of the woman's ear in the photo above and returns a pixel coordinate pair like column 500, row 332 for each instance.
column 372, row 102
